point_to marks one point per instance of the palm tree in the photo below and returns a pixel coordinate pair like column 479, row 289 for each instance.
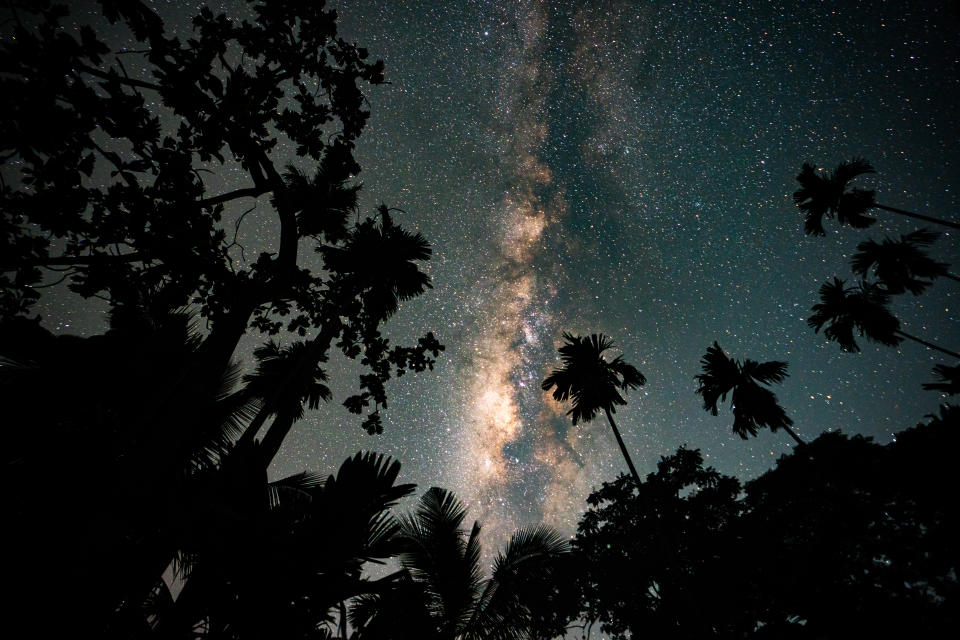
column 440, row 592
column 283, row 381
column 380, row 263
column 753, row 406
column 862, row 308
column 278, row 558
column 820, row 196
column 593, row 383
column 900, row 265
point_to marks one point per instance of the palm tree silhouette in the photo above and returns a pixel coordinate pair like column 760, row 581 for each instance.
column 753, row 406
column 440, row 591
column 380, row 263
column 820, row 196
column 279, row 558
column 861, row 308
column 283, row 381
column 900, row 265
column 593, row 383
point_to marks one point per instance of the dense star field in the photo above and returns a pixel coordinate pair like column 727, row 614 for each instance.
column 626, row 168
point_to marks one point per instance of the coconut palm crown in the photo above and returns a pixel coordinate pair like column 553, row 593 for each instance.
column 862, row 308
column 593, row 383
column 820, row 196
column 826, row 195
column 440, row 592
column 900, row 265
column 753, row 406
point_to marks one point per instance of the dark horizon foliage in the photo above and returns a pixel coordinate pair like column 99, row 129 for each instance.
column 843, row 538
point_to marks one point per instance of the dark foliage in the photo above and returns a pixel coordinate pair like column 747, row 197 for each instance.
column 844, row 538
column 586, row 378
column 108, row 180
column 440, row 592
column 136, row 448
column 949, row 379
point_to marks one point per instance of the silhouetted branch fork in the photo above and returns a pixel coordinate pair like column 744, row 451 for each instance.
column 929, row 345
column 249, row 192
column 918, row 216
column 99, row 258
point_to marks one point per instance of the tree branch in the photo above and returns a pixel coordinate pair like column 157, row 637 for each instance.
column 251, row 192
column 99, row 258
column 131, row 82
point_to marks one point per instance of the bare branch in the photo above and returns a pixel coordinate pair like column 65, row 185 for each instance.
column 251, row 192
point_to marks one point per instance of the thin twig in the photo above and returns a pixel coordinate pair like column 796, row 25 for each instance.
column 53, row 284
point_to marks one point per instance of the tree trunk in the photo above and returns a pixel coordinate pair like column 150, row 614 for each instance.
column 623, row 448
column 928, row 344
column 793, row 434
column 918, row 216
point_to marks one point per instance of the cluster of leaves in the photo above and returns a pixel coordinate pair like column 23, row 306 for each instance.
column 843, row 538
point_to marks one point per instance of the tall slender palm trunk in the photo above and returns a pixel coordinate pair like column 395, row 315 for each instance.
column 623, row 448
column 793, row 434
column 928, row 344
column 918, row 216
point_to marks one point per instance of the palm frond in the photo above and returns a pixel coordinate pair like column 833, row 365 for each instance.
column 754, row 407
column 900, row 265
column 526, row 565
column 437, row 555
column 949, row 379
column 720, row 375
column 847, row 171
column 766, row 372
column 297, row 487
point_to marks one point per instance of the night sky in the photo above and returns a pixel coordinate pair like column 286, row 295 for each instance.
column 626, row 168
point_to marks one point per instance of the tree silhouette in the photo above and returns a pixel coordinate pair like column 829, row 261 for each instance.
column 441, row 576
column 106, row 184
column 861, row 308
column 900, row 265
column 654, row 553
column 753, row 406
column 229, row 96
column 282, row 385
column 820, row 196
column 593, row 384
column 844, row 537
